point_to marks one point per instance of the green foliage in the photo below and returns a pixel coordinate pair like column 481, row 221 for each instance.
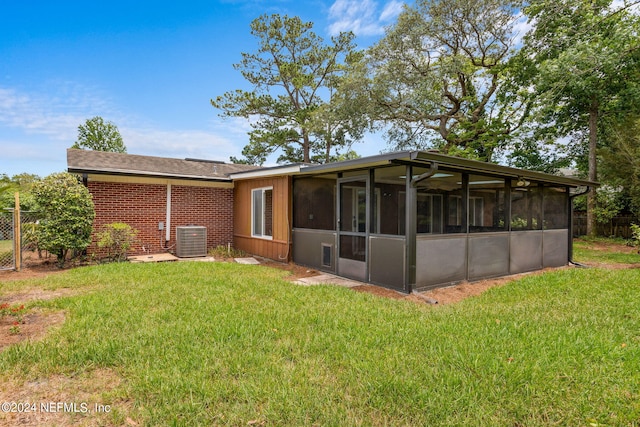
column 582, row 64
column 30, row 236
column 620, row 160
column 67, row 214
column 635, row 235
column 21, row 183
column 222, row 251
column 96, row 134
column 295, row 77
column 438, row 77
column 117, row 238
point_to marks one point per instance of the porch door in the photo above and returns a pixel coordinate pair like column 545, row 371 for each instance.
column 353, row 227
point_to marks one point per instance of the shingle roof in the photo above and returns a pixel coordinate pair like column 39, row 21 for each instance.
column 87, row 161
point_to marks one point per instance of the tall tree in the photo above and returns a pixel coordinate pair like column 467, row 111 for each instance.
column 621, row 160
column 581, row 59
column 437, row 77
column 294, row 74
column 98, row 135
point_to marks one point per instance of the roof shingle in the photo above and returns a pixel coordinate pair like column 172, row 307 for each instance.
column 87, row 161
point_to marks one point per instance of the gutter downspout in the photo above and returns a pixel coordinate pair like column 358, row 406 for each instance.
column 168, row 217
column 571, row 197
column 428, row 174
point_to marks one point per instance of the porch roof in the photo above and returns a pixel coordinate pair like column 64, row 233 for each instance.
column 425, row 158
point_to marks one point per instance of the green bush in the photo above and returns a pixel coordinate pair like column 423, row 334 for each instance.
column 635, row 236
column 117, row 238
column 67, row 214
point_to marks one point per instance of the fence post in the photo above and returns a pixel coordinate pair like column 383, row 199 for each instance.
column 17, row 237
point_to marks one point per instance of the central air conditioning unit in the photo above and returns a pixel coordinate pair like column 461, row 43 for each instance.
column 191, row 241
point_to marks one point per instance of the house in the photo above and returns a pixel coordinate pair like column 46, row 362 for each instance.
column 156, row 194
column 408, row 220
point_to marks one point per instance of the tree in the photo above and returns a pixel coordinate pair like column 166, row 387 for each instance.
column 621, row 160
column 581, row 59
column 67, row 214
column 21, row 183
column 437, row 77
column 294, row 75
column 98, row 135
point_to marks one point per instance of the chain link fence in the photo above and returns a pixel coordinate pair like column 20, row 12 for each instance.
column 28, row 241
column 7, row 257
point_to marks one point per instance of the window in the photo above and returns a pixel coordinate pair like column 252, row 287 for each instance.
column 389, row 200
column 476, row 211
column 315, row 202
column 526, row 206
column 439, row 203
column 556, row 208
column 486, row 204
column 262, row 213
column 429, row 218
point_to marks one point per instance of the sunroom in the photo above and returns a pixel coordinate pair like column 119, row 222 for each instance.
column 418, row 220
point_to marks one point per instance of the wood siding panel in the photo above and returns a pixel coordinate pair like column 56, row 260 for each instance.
column 279, row 247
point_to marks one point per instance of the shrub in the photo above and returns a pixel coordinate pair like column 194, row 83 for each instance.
column 222, row 251
column 635, row 236
column 67, row 214
column 117, row 238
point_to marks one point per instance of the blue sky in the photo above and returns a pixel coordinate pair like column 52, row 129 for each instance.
column 149, row 67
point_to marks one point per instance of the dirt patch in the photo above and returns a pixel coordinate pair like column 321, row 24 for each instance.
column 75, row 400
column 295, row 271
column 597, row 245
column 30, row 324
column 439, row 296
column 445, row 295
column 34, row 326
column 456, row 293
column 32, row 267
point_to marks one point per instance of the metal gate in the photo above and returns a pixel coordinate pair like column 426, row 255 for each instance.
column 7, row 246
column 10, row 252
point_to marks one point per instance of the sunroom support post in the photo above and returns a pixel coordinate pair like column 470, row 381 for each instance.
column 410, row 231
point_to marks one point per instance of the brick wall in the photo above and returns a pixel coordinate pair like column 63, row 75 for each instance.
column 143, row 206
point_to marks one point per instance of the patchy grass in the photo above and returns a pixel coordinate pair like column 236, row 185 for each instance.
column 601, row 250
column 228, row 344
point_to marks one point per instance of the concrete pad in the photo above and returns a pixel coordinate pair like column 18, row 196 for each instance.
column 246, row 260
column 327, row 279
column 164, row 257
column 199, row 259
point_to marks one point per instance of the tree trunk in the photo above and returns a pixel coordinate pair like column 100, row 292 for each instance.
column 305, row 147
column 593, row 169
column 328, row 141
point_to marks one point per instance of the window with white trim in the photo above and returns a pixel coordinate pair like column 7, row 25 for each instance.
column 262, row 213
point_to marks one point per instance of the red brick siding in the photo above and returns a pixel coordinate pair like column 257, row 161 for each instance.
column 143, row 206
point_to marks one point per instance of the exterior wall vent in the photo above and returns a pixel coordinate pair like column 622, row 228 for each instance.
column 191, row 241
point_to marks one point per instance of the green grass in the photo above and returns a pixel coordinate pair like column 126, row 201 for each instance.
column 226, row 344
column 604, row 250
column 6, row 245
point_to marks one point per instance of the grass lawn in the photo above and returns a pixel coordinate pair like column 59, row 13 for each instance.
column 605, row 251
column 226, row 344
column 6, row 245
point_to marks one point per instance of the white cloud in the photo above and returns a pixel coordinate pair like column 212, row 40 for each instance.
column 521, row 27
column 179, row 143
column 56, row 116
column 37, row 127
column 391, row 11
column 363, row 17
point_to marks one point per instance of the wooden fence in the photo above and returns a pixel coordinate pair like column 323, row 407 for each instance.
column 619, row 226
